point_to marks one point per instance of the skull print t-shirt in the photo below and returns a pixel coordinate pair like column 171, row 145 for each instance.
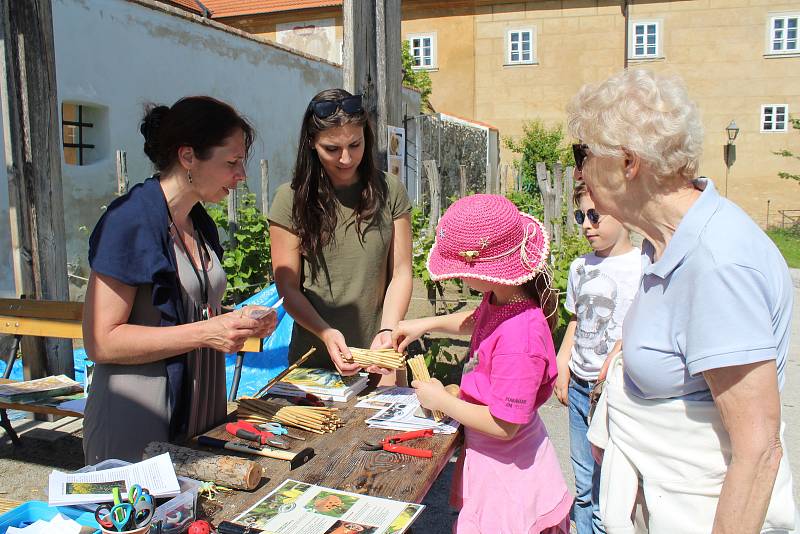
column 599, row 293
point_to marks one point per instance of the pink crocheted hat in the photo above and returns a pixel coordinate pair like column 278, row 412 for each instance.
column 488, row 238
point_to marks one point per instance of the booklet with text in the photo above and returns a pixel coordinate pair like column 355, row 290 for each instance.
column 302, row 508
column 156, row 474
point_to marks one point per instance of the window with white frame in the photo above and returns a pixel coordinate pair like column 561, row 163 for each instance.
column 783, row 34
column 520, row 47
column 645, row 39
column 423, row 50
column 774, row 117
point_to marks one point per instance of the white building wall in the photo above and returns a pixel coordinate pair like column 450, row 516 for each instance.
column 120, row 54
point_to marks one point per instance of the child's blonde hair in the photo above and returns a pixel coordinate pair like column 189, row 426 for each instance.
column 578, row 192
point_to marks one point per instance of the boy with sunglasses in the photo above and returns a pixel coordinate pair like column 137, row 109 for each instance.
column 600, row 289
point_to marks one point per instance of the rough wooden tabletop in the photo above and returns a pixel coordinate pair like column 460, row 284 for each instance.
column 340, row 463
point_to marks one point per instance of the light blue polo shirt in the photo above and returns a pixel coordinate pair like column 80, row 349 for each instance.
column 720, row 295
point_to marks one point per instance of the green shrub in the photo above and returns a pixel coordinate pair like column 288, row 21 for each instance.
column 538, row 143
column 248, row 266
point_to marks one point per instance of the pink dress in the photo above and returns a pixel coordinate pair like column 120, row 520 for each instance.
column 515, row 486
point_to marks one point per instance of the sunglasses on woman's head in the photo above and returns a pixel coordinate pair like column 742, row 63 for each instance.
column 325, row 108
column 591, row 213
column 580, row 152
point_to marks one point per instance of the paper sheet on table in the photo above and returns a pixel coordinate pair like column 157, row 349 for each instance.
column 385, row 396
column 58, row 525
column 407, row 416
column 156, row 474
column 302, row 508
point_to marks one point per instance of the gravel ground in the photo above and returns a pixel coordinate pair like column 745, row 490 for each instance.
column 25, row 470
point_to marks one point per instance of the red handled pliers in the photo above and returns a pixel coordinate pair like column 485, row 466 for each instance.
column 248, row 431
column 390, row 444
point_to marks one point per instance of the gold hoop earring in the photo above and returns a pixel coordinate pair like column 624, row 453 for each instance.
column 189, row 176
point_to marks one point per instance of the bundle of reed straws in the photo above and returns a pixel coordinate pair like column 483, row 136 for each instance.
column 420, row 371
column 386, row 358
column 314, row 419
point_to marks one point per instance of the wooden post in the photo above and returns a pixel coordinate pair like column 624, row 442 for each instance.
column 33, row 164
column 233, row 217
column 558, row 203
column 372, row 63
column 462, row 192
column 122, row 173
column 569, row 187
column 264, row 187
column 546, row 189
column 434, row 186
column 462, row 181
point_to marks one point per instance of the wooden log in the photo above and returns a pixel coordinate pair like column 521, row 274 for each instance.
column 228, row 471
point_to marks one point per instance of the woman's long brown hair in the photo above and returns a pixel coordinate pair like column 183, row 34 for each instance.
column 315, row 212
column 540, row 290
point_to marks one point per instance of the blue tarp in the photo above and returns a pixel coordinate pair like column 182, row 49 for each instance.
column 259, row 367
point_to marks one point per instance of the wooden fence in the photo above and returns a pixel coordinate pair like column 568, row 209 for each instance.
column 555, row 187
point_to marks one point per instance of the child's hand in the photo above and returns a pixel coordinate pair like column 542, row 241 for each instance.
column 561, row 388
column 406, row 332
column 430, row 394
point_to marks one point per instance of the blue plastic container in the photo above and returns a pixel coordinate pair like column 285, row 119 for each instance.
column 31, row 511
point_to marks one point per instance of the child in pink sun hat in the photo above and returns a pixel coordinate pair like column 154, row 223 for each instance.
column 508, row 479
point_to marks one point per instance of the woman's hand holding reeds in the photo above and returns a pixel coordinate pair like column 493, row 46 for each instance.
column 381, row 341
column 228, row 332
column 406, row 332
column 337, row 347
column 430, row 393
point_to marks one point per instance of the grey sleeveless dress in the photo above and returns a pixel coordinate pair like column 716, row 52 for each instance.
column 128, row 405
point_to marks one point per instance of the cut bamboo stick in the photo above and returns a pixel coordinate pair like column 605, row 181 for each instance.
column 311, row 418
column 386, row 358
column 419, row 369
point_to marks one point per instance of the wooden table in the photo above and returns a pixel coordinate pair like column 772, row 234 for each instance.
column 340, row 464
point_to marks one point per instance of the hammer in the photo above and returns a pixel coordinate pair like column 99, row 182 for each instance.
column 295, row 459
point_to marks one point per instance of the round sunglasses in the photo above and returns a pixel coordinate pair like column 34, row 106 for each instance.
column 323, row 109
column 591, row 214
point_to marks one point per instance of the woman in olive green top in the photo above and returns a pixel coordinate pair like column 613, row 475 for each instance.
column 341, row 238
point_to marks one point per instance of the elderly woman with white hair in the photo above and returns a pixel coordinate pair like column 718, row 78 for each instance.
column 692, row 419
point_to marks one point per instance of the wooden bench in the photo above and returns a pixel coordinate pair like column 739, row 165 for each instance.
column 50, row 318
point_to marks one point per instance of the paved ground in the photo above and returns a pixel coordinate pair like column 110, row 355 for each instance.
column 24, row 471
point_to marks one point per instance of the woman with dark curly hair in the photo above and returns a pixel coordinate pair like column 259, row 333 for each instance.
column 152, row 322
column 341, row 238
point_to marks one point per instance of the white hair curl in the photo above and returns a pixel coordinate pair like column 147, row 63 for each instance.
column 645, row 113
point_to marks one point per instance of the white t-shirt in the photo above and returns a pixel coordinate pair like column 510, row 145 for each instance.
column 599, row 293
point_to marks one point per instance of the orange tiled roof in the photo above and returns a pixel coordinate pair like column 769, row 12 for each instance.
column 233, row 8
column 189, row 5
